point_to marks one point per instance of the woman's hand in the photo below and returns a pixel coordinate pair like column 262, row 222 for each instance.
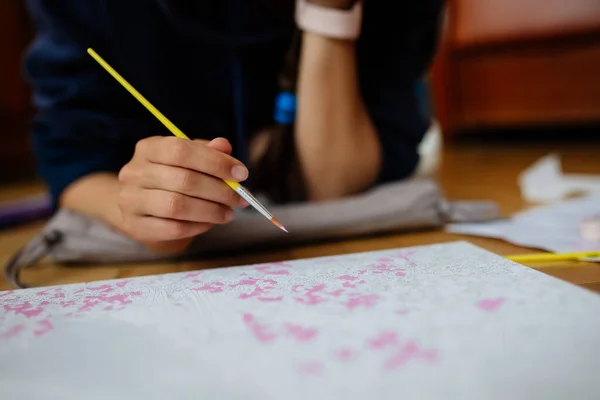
column 172, row 190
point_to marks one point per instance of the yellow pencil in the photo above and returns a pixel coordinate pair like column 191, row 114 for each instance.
column 554, row 256
column 236, row 186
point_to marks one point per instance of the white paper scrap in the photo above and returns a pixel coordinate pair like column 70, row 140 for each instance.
column 545, row 182
column 554, row 228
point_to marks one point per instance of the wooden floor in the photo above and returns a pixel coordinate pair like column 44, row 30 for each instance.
column 468, row 171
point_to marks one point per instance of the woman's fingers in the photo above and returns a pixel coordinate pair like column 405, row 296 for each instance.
column 148, row 229
column 173, row 189
column 173, row 205
column 220, row 144
column 184, row 181
column 192, row 155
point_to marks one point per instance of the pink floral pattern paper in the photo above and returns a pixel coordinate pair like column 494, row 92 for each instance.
column 442, row 321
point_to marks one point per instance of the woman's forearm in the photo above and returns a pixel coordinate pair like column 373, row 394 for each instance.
column 97, row 195
column 338, row 147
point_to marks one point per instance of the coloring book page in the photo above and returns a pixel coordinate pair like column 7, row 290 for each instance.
column 448, row 321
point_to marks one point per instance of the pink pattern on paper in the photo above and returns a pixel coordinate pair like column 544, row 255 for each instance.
column 385, row 339
column 268, row 268
column 310, row 368
column 42, row 293
column 410, row 350
column 258, row 291
column 296, row 287
column 102, row 288
column 405, row 255
column 300, row 333
column 193, row 274
column 213, row 287
column 46, row 326
column 344, row 354
column 259, row 331
column 25, row 309
column 14, row 331
column 357, row 300
column 282, row 264
column 402, row 311
column 122, row 284
column 58, row 294
column 336, row 293
column 278, row 272
column 120, row 299
column 385, row 259
column 382, row 268
column 490, row 304
column 7, row 293
column 245, row 282
column 310, row 298
column 270, row 299
column 348, row 279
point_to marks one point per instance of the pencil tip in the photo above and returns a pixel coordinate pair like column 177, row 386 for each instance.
column 278, row 224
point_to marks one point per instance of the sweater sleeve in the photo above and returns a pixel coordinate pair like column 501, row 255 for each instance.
column 396, row 46
column 75, row 130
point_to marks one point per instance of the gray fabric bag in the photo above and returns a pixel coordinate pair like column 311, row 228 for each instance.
column 70, row 237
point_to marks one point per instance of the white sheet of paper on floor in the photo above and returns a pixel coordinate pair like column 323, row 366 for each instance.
column 555, row 227
column 545, row 182
column 448, row 321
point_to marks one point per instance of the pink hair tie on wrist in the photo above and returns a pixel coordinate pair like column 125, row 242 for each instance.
column 329, row 22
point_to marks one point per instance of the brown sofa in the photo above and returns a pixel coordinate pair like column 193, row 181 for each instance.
column 518, row 63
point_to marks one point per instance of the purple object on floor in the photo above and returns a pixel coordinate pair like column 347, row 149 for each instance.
column 29, row 209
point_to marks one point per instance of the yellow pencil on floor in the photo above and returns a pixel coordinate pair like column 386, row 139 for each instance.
column 236, row 186
column 554, row 256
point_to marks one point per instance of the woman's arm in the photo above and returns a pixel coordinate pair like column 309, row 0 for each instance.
column 354, row 96
column 338, row 147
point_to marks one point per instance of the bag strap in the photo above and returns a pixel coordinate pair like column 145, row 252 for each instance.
column 39, row 247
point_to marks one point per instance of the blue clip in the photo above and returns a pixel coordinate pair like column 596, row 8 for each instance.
column 285, row 108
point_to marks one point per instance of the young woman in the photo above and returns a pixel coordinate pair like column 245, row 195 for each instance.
column 304, row 100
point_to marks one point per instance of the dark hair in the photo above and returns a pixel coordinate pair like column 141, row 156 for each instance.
column 277, row 173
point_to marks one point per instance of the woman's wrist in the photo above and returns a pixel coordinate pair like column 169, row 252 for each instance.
column 331, row 19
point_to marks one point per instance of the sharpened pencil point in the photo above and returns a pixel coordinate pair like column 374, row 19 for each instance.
column 277, row 224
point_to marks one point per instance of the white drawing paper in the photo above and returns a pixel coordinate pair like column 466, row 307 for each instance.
column 448, row 321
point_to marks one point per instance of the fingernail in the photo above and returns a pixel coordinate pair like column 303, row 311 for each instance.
column 239, row 173
column 229, row 214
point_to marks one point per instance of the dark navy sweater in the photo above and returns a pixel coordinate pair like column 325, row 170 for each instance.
column 211, row 68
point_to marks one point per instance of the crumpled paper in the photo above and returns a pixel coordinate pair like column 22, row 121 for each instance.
column 545, row 182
